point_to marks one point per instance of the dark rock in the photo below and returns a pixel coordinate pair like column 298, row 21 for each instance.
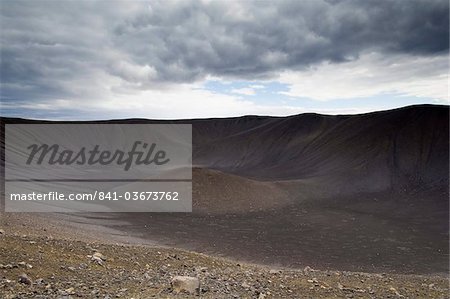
column 23, row 278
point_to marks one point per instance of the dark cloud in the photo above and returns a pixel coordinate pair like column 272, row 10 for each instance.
column 190, row 40
column 47, row 47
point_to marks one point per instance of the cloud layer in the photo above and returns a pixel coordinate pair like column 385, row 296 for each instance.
column 90, row 50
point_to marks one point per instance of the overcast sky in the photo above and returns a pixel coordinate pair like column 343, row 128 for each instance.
column 185, row 59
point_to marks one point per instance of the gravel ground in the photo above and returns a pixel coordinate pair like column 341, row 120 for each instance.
column 50, row 263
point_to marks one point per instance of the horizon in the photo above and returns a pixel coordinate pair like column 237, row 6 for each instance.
column 213, row 59
column 226, row 117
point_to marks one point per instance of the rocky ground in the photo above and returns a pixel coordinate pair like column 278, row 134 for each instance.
column 49, row 263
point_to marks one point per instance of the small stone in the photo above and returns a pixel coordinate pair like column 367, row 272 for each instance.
column 187, row 284
column 392, row 289
column 23, row 278
column 245, row 285
column 99, row 255
column 70, row 291
column 40, row 281
column 97, row 260
column 2, row 232
column 25, row 265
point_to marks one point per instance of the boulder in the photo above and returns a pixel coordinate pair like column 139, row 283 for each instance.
column 187, row 284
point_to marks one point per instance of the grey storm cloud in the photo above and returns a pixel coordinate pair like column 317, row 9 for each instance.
column 47, row 47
